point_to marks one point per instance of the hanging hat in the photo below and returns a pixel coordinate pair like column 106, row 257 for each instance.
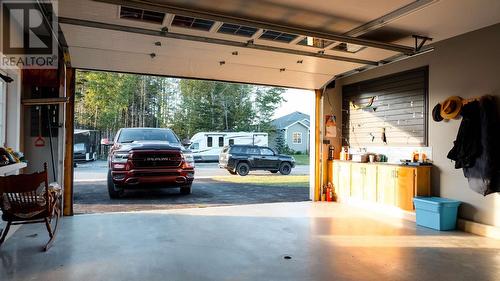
column 451, row 107
column 436, row 113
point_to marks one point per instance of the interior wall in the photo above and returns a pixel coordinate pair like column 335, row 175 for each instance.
column 466, row 66
column 13, row 114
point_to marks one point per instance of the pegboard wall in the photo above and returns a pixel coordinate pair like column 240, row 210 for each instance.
column 390, row 110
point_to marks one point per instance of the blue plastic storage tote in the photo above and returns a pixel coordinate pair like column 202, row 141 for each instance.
column 436, row 212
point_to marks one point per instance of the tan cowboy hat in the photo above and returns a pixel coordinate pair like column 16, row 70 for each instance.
column 451, row 107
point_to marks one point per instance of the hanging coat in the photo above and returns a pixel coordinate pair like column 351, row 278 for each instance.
column 467, row 146
column 484, row 175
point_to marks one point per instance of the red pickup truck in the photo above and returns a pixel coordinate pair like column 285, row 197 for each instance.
column 148, row 157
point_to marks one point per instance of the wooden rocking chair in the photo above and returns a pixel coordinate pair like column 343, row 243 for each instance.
column 28, row 199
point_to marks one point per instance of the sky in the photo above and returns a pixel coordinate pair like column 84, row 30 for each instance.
column 297, row 100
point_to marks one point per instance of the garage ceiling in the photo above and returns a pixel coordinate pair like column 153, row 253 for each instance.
column 98, row 38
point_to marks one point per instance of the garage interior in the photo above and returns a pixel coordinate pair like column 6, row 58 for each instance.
column 338, row 49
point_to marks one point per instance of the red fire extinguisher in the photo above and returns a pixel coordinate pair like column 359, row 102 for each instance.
column 331, row 196
column 329, row 193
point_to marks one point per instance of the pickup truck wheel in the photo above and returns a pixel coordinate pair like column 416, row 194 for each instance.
column 242, row 169
column 285, row 168
column 114, row 191
column 186, row 189
column 232, row 172
column 274, row 171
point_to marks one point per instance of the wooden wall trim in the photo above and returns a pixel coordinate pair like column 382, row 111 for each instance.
column 68, row 151
column 317, row 145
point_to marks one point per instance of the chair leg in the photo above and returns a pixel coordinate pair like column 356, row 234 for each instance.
column 52, row 232
column 3, row 234
column 49, row 228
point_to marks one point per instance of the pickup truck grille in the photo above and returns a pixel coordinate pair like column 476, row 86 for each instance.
column 156, row 159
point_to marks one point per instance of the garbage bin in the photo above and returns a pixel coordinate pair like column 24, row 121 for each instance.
column 436, row 212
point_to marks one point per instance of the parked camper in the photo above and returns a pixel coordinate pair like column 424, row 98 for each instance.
column 86, row 145
column 207, row 146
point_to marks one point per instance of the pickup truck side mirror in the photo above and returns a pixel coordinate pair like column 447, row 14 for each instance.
column 186, row 142
column 107, row 142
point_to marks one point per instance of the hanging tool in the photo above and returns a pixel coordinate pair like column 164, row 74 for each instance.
column 50, row 142
column 39, row 141
column 384, row 137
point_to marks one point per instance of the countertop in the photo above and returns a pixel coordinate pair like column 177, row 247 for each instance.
column 383, row 163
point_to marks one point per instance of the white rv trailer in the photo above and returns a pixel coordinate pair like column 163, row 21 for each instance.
column 206, row 146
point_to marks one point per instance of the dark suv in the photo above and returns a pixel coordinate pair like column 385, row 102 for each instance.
column 148, row 157
column 241, row 159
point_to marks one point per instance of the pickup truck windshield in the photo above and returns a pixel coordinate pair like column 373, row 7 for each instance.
column 130, row 135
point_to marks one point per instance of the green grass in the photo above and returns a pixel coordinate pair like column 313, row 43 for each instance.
column 271, row 180
column 301, row 159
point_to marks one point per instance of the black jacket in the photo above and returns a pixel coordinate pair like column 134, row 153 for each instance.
column 467, row 147
column 477, row 148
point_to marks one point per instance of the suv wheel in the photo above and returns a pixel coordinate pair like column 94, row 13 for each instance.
column 186, row 189
column 243, row 169
column 114, row 191
column 232, row 172
column 285, row 168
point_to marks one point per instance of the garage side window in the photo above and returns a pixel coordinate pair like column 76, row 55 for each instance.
column 297, row 137
column 221, row 141
column 209, row 141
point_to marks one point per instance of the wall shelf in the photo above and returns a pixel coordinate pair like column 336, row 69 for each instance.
column 12, row 168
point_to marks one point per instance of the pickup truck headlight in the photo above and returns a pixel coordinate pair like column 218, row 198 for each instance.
column 120, row 158
column 188, row 158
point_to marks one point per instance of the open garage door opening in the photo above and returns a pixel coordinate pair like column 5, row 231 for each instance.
column 150, row 142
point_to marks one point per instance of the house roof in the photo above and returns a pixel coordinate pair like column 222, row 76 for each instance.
column 287, row 120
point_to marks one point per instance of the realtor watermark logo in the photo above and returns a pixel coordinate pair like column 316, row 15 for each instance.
column 28, row 34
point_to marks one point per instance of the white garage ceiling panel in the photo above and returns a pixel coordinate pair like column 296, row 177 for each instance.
column 124, row 51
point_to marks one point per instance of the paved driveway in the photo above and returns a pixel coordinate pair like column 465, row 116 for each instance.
column 97, row 170
column 90, row 193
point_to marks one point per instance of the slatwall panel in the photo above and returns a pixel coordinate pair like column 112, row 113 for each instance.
column 400, row 106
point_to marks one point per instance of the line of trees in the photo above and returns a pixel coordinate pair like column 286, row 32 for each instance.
column 107, row 101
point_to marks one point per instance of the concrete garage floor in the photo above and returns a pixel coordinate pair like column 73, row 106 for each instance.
column 325, row 242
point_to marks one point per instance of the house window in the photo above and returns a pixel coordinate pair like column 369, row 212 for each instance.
column 221, row 141
column 2, row 112
column 209, row 141
column 297, row 138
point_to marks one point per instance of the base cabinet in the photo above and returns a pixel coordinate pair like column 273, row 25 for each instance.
column 342, row 179
column 382, row 183
column 386, row 185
